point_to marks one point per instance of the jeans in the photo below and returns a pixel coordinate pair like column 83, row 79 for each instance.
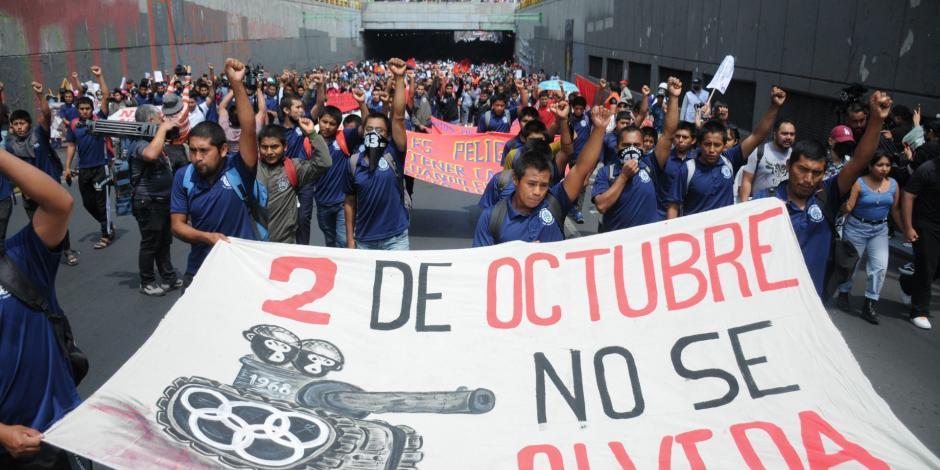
column 871, row 240
column 464, row 114
column 926, row 264
column 153, row 218
column 332, row 222
column 305, row 214
column 395, row 242
column 94, row 201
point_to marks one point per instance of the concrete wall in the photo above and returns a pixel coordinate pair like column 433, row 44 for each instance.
column 812, row 47
column 438, row 16
column 45, row 39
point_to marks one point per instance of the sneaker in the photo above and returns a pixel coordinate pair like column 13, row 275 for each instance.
column 579, row 217
column 907, row 269
column 921, row 322
column 152, row 289
column 171, row 286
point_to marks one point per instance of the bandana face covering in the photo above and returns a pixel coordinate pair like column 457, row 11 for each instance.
column 375, row 146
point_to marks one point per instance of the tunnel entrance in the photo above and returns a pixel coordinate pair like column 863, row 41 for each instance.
column 435, row 45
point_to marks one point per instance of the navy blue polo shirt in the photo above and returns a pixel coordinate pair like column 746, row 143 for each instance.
column 145, row 99
column 271, row 102
column 213, row 207
column 539, row 225
column 380, row 210
column 491, row 194
column 36, row 387
column 69, row 112
column 812, row 230
column 497, row 123
column 665, row 178
column 92, row 150
column 637, row 203
column 712, row 186
column 375, row 107
column 295, row 143
column 329, row 188
column 581, row 130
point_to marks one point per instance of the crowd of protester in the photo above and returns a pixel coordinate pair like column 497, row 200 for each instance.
column 257, row 155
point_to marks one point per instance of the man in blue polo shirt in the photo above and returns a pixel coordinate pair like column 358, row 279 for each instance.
column 813, row 202
column 376, row 216
column 36, row 383
column 625, row 191
column 329, row 193
column 537, row 209
column 681, row 136
column 498, row 118
column 292, row 109
column 93, row 159
column 707, row 182
column 208, row 202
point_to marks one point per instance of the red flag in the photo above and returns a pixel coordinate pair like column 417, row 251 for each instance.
column 587, row 88
column 464, row 65
column 344, row 101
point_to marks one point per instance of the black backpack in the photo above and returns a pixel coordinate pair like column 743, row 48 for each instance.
column 21, row 287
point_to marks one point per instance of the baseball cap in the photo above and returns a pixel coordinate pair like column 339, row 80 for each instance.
column 841, row 133
column 172, row 104
column 661, row 91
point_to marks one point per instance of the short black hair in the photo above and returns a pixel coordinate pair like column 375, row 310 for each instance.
column 624, row 115
column 578, row 101
column 272, row 130
column 384, row 118
column 713, row 126
column 780, row 122
column 352, row 118
column 498, row 97
column 649, row 131
column 21, row 115
column 627, row 130
column 333, row 112
column 532, row 155
column 529, row 111
column 809, row 149
column 84, row 100
column 855, row 107
column 735, row 133
column 287, row 101
column 686, row 126
column 209, row 130
column 533, row 127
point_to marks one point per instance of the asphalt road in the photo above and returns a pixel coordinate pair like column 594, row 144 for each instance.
column 111, row 319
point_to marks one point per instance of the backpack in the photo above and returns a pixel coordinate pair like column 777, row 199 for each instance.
column 505, row 177
column 487, row 118
column 20, row 286
column 291, row 172
column 498, row 214
column 405, row 197
column 257, row 199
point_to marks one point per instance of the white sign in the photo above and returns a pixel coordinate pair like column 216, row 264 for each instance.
column 124, row 114
column 157, row 76
column 698, row 343
column 723, row 75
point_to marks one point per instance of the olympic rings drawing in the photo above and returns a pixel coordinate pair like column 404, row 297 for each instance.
column 275, row 429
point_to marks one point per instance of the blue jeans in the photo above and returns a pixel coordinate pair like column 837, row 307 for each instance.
column 332, row 222
column 305, row 213
column 871, row 240
column 395, row 242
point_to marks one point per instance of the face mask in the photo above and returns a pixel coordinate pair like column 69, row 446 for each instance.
column 630, row 153
column 375, row 146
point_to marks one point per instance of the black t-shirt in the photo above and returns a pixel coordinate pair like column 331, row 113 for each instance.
column 153, row 179
column 925, row 184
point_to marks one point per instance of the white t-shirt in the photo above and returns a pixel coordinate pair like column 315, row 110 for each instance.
column 772, row 170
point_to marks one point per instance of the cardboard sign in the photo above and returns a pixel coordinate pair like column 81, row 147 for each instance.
column 462, row 162
column 344, row 101
column 696, row 344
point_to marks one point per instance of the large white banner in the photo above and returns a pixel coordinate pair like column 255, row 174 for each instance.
column 694, row 343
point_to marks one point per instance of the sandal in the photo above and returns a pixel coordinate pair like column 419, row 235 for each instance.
column 71, row 257
column 103, row 242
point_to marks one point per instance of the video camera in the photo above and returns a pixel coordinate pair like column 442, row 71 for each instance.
column 253, row 75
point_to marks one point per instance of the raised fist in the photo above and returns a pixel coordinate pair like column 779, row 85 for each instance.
column 646, row 90
column 235, row 70
column 880, row 104
column 675, row 87
column 37, row 87
column 778, row 96
column 561, row 109
column 359, row 95
column 397, row 66
column 306, row 125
